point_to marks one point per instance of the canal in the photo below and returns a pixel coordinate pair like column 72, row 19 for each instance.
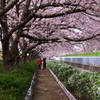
column 83, row 60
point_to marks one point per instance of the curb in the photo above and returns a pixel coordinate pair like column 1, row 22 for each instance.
column 70, row 96
column 30, row 90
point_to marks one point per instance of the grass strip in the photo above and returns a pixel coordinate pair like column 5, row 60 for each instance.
column 14, row 84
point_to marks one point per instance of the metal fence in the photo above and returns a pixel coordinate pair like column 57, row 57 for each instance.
column 83, row 60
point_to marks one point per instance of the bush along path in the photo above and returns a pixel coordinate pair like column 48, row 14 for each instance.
column 83, row 85
column 14, row 84
column 46, row 87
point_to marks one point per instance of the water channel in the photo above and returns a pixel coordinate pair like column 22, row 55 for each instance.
column 84, row 60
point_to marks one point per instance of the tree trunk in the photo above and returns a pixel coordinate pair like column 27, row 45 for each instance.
column 10, row 59
column 24, row 57
column 6, row 55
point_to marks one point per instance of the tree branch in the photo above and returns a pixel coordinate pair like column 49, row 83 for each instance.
column 60, row 13
column 38, row 39
column 31, row 47
column 81, row 39
column 8, row 7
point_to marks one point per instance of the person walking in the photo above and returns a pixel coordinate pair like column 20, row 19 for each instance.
column 44, row 63
column 39, row 63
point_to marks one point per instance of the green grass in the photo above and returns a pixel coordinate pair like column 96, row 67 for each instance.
column 0, row 54
column 14, row 84
column 84, row 54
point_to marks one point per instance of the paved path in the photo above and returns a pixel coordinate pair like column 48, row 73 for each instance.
column 47, row 88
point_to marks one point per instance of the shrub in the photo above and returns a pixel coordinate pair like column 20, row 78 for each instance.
column 14, row 84
column 1, row 67
column 84, row 84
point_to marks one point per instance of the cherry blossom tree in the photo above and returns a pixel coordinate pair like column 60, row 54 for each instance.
column 30, row 27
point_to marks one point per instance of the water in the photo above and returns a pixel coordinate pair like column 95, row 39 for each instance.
column 84, row 60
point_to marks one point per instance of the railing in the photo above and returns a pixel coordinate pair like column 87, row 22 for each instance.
column 83, row 60
column 87, row 63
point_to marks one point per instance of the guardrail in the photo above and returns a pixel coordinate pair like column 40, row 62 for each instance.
column 82, row 62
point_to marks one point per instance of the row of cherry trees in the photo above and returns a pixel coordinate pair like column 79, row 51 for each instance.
column 34, row 28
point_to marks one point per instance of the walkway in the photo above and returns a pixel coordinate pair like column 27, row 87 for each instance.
column 47, row 88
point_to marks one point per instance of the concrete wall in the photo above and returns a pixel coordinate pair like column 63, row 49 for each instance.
column 84, row 60
column 87, row 63
column 92, row 68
